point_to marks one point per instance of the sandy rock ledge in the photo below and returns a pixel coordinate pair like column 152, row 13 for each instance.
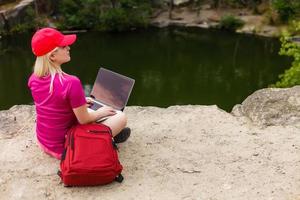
column 181, row 152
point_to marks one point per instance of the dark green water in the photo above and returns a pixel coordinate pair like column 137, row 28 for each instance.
column 173, row 66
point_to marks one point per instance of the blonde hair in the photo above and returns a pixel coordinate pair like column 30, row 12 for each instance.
column 44, row 66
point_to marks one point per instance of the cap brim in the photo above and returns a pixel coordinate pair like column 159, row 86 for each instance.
column 68, row 40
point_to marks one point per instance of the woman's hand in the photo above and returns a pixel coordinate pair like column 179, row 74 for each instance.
column 85, row 117
column 89, row 101
column 106, row 111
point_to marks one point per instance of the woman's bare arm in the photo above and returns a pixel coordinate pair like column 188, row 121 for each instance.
column 85, row 117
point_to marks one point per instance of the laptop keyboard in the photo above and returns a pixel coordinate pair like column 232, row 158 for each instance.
column 95, row 106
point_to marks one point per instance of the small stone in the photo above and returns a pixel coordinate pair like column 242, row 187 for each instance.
column 227, row 186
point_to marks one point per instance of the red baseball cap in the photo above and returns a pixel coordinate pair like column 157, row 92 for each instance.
column 47, row 39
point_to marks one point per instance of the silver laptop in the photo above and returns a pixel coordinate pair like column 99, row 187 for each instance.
column 111, row 89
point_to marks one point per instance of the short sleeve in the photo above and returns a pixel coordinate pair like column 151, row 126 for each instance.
column 76, row 94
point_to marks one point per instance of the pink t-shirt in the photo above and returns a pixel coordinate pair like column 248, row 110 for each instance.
column 54, row 111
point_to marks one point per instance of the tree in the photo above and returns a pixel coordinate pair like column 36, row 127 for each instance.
column 171, row 6
column 113, row 3
column 286, row 8
column 291, row 76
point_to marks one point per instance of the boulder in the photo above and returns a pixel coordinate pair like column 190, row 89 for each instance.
column 214, row 17
column 181, row 2
column 272, row 107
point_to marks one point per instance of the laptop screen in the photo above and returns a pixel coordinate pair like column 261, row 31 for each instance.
column 112, row 89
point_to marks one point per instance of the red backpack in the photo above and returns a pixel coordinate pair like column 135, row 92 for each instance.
column 90, row 157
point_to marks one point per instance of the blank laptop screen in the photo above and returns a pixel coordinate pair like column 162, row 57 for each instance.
column 112, row 89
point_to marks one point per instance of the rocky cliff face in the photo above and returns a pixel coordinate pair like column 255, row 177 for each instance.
column 181, row 152
column 14, row 14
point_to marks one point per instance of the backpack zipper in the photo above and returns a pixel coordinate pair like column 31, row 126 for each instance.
column 96, row 131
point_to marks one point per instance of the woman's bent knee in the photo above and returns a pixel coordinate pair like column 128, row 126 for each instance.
column 122, row 119
column 116, row 122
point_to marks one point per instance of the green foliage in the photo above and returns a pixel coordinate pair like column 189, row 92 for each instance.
column 293, row 28
column 291, row 76
column 128, row 15
column 231, row 23
column 286, row 8
column 104, row 15
column 79, row 13
column 114, row 19
column 232, row 2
